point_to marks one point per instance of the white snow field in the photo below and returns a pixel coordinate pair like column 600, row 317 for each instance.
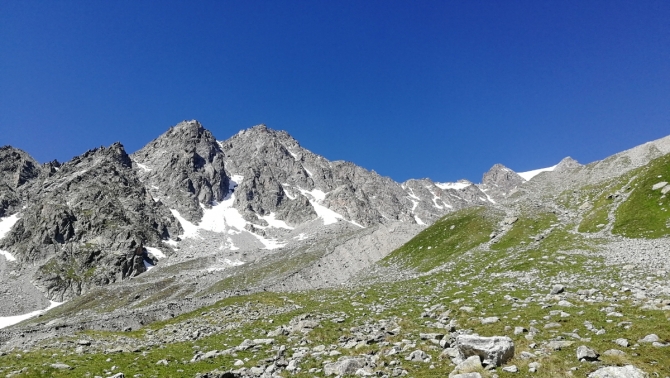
column 6, row 321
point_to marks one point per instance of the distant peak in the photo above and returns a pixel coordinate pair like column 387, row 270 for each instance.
column 567, row 163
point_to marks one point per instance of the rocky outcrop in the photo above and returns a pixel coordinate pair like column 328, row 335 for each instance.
column 566, row 164
column 16, row 169
column 500, row 181
column 184, row 168
column 83, row 222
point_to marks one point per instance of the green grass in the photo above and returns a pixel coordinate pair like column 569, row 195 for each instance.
column 646, row 212
column 525, row 230
column 450, row 236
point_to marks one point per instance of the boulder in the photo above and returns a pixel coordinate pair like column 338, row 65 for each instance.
column 628, row 371
column 585, row 353
column 345, row 366
column 467, row 366
column 497, row 349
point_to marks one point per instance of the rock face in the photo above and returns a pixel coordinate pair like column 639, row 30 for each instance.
column 16, row 169
column 184, row 166
column 495, row 350
column 500, row 181
column 279, row 176
column 84, row 221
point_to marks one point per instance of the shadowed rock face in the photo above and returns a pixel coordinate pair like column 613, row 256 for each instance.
column 16, row 169
column 185, row 166
column 84, row 220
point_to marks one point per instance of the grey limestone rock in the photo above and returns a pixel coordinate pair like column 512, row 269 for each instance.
column 184, row 168
column 17, row 168
column 628, row 371
column 500, row 181
column 84, row 221
column 497, row 349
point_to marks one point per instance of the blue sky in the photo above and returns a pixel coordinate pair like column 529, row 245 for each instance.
column 439, row 89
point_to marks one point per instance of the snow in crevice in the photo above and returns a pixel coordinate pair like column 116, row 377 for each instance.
column 419, row 221
column 274, row 222
column 148, row 265
column 156, row 252
column 6, row 225
column 301, row 236
column 415, row 203
column 307, row 170
column 6, row 321
column 289, row 195
column 143, row 167
column 530, row 174
column 315, row 197
column 292, row 154
column 410, row 192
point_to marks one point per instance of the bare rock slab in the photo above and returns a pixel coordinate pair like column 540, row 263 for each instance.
column 628, row 371
column 496, row 349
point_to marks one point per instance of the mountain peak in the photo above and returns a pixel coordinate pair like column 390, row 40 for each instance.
column 567, row 163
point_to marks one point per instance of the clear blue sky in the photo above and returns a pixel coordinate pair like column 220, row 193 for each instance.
column 440, row 89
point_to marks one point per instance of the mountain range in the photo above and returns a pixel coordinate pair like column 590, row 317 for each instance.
column 257, row 214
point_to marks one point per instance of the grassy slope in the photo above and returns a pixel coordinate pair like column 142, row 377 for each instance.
column 450, row 236
column 646, row 212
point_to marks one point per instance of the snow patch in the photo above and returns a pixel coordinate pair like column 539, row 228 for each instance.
column 156, row 252
column 419, row 221
column 274, row 222
column 315, row 196
column 452, row 185
column 307, row 170
column 7, row 223
column 530, row 174
column 7, row 255
column 190, row 230
column 226, row 264
column 301, row 236
column 148, row 265
column 144, row 167
column 6, row 321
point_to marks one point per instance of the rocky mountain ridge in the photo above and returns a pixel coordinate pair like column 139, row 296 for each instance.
column 550, row 264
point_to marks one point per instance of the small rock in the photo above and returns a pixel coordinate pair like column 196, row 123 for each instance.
column 585, row 353
column 60, row 366
column 467, row 366
column 622, row 342
column 557, row 289
column 614, row 352
column 649, row 339
column 511, row 369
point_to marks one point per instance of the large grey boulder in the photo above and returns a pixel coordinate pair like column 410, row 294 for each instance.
column 495, row 350
column 628, row 371
column 345, row 366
